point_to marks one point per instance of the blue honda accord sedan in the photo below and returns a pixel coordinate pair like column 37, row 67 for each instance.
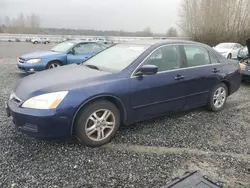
column 123, row 84
column 65, row 53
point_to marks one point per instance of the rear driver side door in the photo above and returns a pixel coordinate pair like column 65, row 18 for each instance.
column 202, row 73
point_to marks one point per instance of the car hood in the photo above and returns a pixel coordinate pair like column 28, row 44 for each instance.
column 59, row 79
column 221, row 50
column 39, row 54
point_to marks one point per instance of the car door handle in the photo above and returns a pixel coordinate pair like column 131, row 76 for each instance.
column 179, row 77
column 215, row 70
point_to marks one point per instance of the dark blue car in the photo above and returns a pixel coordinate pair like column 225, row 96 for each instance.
column 69, row 52
column 122, row 85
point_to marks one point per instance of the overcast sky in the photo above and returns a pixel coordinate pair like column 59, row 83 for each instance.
column 129, row 15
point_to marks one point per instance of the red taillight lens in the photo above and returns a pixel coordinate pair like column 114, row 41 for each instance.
column 239, row 69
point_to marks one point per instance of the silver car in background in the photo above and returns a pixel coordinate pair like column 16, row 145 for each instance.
column 228, row 50
column 42, row 40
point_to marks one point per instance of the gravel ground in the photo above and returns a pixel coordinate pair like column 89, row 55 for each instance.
column 147, row 154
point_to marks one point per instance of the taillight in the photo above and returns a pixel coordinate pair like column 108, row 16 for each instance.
column 242, row 66
column 239, row 69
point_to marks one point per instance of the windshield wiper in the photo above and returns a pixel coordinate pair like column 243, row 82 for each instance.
column 92, row 67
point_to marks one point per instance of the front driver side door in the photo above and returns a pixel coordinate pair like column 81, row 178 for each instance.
column 163, row 92
column 80, row 53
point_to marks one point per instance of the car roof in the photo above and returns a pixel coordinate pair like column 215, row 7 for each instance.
column 79, row 41
column 228, row 43
column 161, row 42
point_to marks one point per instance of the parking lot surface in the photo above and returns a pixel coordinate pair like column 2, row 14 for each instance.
column 147, row 154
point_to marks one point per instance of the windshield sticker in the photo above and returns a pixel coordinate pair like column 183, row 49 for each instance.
column 70, row 44
column 136, row 48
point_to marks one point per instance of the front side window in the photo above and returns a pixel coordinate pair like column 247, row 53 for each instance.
column 196, row 56
column 238, row 46
column 165, row 58
column 83, row 48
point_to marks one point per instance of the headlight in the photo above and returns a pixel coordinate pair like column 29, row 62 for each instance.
column 11, row 95
column 33, row 61
column 45, row 101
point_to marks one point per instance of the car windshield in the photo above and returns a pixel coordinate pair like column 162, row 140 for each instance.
column 63, row 47
column 225, row 45
column 116, row 58
column 243, row 50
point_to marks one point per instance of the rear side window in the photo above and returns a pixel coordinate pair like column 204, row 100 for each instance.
column 196, row 56
column 97, row 48
column 83, row 48
column 213, row 59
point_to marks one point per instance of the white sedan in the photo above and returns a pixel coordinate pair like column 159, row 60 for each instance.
column 228, row 50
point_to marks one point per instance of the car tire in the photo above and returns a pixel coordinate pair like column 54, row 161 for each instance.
column 53, row 64
column 218, row 98
column 229, row 56
column 99, row 133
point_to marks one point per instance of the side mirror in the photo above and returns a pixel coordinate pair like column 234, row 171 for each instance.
column 72, row 51
column 147, row 70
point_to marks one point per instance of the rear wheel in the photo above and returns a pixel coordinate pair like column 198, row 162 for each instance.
column 97, row 123
column 218, row 97
column 53, row 65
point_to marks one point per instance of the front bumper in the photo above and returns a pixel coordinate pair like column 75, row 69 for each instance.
column 39, row 123
column 27, row 67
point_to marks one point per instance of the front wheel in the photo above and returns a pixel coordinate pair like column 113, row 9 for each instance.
column 97, row 123
column 218, row 97
column 53, row 65
column 229, row 56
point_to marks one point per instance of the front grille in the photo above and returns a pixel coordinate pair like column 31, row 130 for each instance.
column 29, row 127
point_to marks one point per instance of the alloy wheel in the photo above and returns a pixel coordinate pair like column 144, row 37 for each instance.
column 100, row 125
column 219, row 97
column 53, row 65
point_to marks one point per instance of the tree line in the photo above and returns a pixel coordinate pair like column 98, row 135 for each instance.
column 20, row 24
column 215, row 21
column 31, row 24
column 207, row 21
